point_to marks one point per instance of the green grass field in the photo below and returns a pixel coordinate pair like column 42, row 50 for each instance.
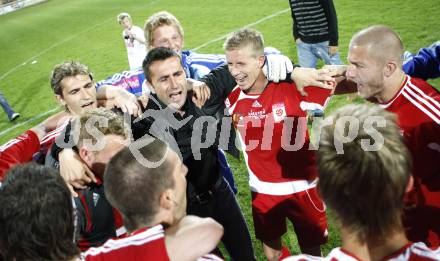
column 34, row 39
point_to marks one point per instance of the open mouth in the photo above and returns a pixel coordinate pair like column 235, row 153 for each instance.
column 241, row 80
column 175, row 96
column 89, row 104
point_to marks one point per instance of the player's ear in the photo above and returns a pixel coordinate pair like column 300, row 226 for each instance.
column 60, row 99
column 390, row 68
column 86, row 156
column 410, row 184
column 166, row 199
column 261, row 61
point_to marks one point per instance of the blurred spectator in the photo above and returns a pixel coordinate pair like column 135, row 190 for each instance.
column 134, row 40
column 12, row 115
column 315, row 30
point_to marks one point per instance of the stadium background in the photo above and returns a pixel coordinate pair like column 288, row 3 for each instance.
column 34, row 39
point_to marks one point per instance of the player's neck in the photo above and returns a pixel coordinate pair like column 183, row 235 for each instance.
column 392, row 86
column 375, row 250
column 259, row 84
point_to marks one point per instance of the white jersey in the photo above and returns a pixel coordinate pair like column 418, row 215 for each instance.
column 412, row 251
column 136, row 50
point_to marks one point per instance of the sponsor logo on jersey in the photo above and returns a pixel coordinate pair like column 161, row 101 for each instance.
column 279, row 112
column 258, row 114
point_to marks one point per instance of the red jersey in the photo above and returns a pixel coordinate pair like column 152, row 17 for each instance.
column 410, row 252
column 274, row 136
column 417, row 105
column 50, row 137
column 22, row 148
column 143, row 244
column 18, row 150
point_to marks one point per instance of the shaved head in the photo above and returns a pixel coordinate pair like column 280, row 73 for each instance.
column 382, row 42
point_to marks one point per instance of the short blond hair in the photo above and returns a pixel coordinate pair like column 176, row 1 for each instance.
column 113, row 125
column 364, row 187
column 246, row 37
column 157, row 20
column 122, row 16
column 383, row 42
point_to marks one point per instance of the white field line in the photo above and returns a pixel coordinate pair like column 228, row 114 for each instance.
column 29, row 121
column 4, row 132
column 249, row 25
column 58, row 44
column 50, row 48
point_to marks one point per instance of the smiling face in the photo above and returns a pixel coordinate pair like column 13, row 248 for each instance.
column 365, row 71
column 245, row 67
column 78, row 93
column 167, row 36
column 169, row 81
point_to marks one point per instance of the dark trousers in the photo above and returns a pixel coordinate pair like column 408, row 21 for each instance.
column 6, row 107
column 222, row 206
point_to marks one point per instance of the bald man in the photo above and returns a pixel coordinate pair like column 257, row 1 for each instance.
column 375, row 60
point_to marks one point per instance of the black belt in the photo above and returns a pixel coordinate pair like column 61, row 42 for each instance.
column 206, row 196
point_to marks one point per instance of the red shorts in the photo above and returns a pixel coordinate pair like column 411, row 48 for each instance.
column 304, row 209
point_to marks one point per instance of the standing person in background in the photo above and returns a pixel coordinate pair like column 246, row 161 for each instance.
column 315, row 30
column 134, row 41
column 12, row 115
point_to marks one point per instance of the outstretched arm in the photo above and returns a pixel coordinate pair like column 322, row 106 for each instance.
column 22, row 148
column 303, row 77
